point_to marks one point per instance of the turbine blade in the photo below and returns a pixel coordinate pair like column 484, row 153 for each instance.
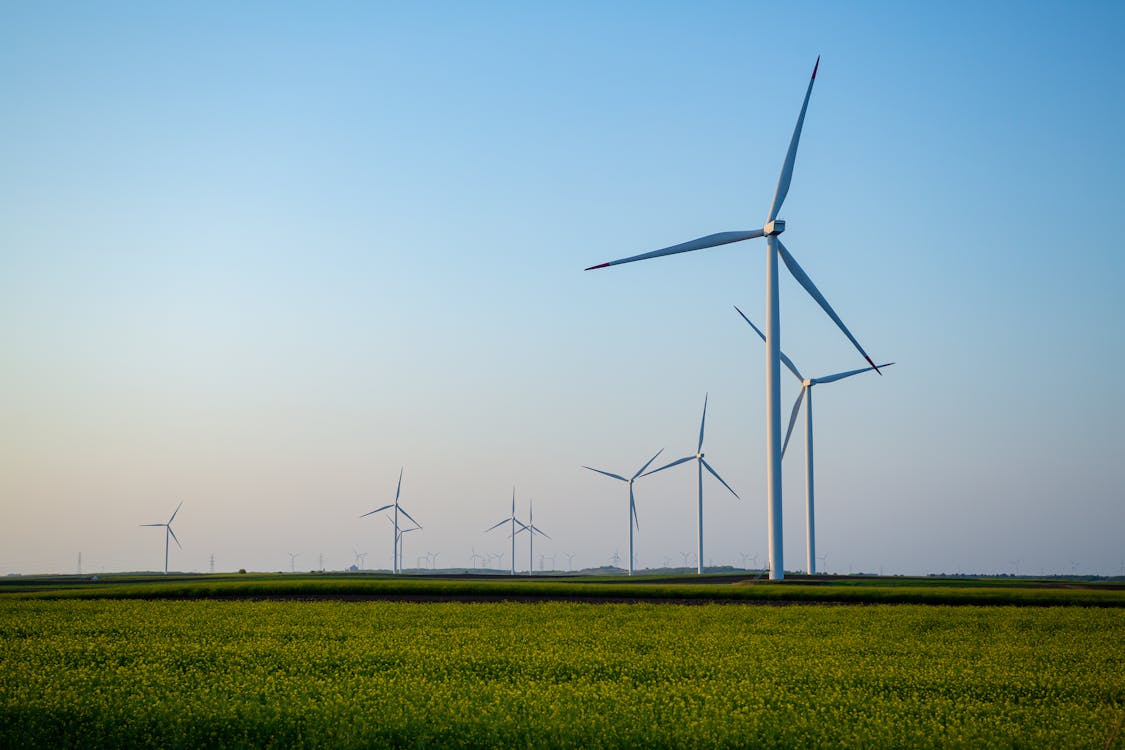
column 702, row 422
column 535, row 529
column 152, row 524
column 677, row 462
column 403, row 512
column 716, row 475
column 174, row 537
column 793, row 419
column 711, row 240
column 399, row 487
column 848, row 374
column 804, row 280
column 633, row 507
column 786, row 175
column 641, row 470
column 785, row 360
column 497, row 525
column 608, row 474
column 177, row 510
column 368, row 513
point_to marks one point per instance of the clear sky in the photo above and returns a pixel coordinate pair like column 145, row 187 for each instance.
column 258, row 256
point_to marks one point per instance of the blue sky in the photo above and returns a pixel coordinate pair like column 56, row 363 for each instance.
column 258, row 257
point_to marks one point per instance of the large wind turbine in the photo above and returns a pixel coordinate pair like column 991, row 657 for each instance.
column 806, row 394
column 771, row 231
column 701, row 464
column 168, row 533
column 632, row 501
column 512, row 531
column 531, row 530
column 398, row 509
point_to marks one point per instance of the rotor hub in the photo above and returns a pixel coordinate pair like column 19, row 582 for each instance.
column 774, row 228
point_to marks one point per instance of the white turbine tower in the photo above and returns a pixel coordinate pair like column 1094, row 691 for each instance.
column 512, row 531
column 701, row 464
column 806, row 395
column 632, row 501
column 397, row 509
column 531, row 530
column 168, row 533
column 771, row 231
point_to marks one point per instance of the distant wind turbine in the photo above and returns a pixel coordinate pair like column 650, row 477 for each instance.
column 771, row 231
column 513, row 522
column 531, row 530
column 397, row 509
column 700, row 464
column 632, row 501
column 293, row 561
column 806, row 394
column 168, row 533
column 402, row 542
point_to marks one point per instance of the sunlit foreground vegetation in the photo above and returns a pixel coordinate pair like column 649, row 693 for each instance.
column 170, row 673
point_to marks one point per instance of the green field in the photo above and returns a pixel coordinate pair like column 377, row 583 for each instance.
column 238, row 673
column 716, row 588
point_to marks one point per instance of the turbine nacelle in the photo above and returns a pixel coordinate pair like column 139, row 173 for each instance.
column 774, row 228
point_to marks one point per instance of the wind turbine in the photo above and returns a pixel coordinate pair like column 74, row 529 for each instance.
column 701, row 464
column 531, row 530
column 168, row 533
column 632, row 502
column 401, row 541
column 806, row 394
column 771, row 231
column 512, row 535
column 398, row 509
column 293, row 561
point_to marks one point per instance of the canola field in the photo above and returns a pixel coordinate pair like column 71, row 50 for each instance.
column 168, row 673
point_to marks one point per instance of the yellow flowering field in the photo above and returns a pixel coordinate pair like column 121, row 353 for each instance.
column 135, row 673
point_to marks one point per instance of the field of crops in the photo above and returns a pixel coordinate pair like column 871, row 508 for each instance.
column 717, row 588
column 86, row 673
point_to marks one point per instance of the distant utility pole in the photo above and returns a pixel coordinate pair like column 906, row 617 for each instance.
column 320, row 562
